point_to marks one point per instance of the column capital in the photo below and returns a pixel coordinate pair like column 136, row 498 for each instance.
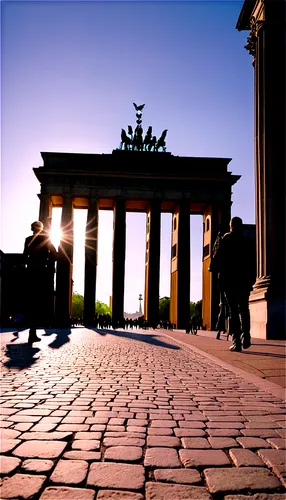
column 255, row 25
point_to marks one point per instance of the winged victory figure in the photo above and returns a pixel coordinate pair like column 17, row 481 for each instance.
column 138, row 108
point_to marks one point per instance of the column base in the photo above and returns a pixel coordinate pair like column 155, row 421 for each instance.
column 267, row 312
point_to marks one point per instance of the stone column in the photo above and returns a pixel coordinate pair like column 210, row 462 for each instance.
column 152, row 265
column 45, row 207
column 65, row 264
column 266, row 44
column 91, row 240
column 180, row 266
column 214, row 220
column 118, row 272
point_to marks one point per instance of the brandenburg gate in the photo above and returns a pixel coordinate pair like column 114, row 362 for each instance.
column 137, row 179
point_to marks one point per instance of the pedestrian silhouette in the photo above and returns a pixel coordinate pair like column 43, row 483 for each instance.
column 37, row 253
column 233, row 263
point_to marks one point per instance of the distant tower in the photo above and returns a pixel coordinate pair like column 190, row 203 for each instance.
column 140, row 305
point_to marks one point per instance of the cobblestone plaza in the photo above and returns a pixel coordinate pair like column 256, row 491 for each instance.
column 93, row 414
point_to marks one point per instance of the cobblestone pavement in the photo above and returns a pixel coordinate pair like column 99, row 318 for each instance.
column 91, row 415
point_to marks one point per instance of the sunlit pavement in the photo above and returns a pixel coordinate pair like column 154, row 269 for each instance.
column 92, row 414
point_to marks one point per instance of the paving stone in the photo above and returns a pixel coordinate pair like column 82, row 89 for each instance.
column 189, row 432
column 245, row 458
column 191, row 424
column 97, row 427
column 116, row 475
column 73, row 427
column 123, row 453
column 161, row 457
column 280, row 472
column 82, row 455
column 225, row 425
column 40, row 449
column 35, row 411
column 262, row 425
column 73, row 420
column 133, row 428
column 180, row 476
column 203, row 458
column 237, row 480
column 69, row 472
column 23, row 427
column 22, row 486
column 65, row 493
column 223, row 432
column 109, row 434
column 273, row 457
column 196, row 443
column 222, row 442
column 8, row 464
column 165, row 441
column 7, row 445
column 43, row 427
column 126, row 441
column 88, row 435
column 37, row 465
column 157, row 491
column 163, row 423
column 118, row 495
column 278, row 443
column 137, row 422
column 24, row 418
column 262, row 433
column 46, row 436
column 253, row 442
column 86, row 444
column 115, row 428
column 9, row 434
column 4, row 424
column 158, row 431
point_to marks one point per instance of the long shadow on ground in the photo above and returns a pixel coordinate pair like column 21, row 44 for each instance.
column 20, row 356
column 62, row 336
column 267, row 354
column 148, row 338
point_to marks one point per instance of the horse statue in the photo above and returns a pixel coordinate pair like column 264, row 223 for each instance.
column 130, row 132
column 125, row 140
column 147, row 139
column 161, row 141
column 152, row 143
column 137, row 143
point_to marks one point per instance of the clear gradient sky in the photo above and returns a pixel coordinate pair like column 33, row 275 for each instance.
column 70, row 73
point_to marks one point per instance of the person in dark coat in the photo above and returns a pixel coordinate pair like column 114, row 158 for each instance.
column 233, row 262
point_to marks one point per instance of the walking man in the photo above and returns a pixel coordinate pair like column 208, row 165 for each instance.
column 233, row 263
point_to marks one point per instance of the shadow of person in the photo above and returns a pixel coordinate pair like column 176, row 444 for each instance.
column 266, row 354
column 149, row 338
column 62, row 336
column 20, row 356
column 16, row 334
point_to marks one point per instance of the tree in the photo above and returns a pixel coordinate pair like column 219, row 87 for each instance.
column 77, row 305
column 101, row 308
column 164, row 308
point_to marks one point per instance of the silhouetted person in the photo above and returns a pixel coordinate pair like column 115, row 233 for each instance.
column 233, row 263
column 36, row 254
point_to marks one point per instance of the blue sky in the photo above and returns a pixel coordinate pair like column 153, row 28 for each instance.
column 70, row 73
